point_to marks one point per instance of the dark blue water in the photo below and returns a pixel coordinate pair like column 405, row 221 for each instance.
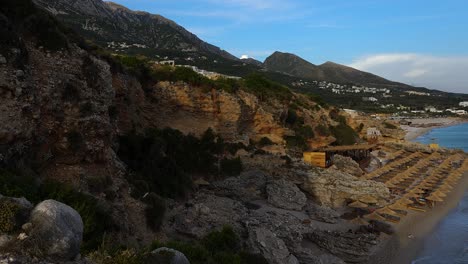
column 448, row 244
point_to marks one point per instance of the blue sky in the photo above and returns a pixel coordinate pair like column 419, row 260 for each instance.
column 414, row 41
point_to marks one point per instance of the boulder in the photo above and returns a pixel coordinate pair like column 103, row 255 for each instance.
column 348, row 165
column 334, row 188
column 172, row 255
column 273, row 249
column 57, row 230
column 284, row 194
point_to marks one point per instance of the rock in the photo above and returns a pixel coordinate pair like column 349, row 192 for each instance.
column 19, row 73
column 177, row 258
column 58, row 230
column 350, row 247
column 249, row 186
column 322, row 213
column 2, row 60
column 206, row 214
column 5, row 240
column 284, row 194
column 334, row 188
column 263, row 241
column 383, row 227
column 348, row 165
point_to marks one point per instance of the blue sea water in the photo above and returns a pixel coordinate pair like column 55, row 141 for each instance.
column 448, row 244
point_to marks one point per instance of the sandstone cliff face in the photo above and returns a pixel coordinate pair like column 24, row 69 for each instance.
column 334, row 188
column 236, row 117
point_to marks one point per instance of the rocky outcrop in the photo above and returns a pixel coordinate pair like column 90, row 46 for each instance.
column 207, row 213
column 248, row 186
column 348, row 165
column 57, row 230
column 334, row 188
column 322, row 213
column 350, row 247
column 263, row 241
column 284, row 194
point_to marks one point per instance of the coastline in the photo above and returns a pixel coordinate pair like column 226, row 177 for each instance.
column 423, row 126
column 399, row 248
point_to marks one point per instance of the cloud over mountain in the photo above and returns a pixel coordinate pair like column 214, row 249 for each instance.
column 437, row 72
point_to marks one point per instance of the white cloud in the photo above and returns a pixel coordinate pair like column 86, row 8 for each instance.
column 437, row 72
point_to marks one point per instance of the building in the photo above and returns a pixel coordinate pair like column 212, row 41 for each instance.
column 323, row 157
column 463, row 104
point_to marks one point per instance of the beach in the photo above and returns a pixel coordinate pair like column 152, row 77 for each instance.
column 411, row 234
column 404, row 246
column 421, row 126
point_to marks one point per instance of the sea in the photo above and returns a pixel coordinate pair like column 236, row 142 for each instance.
column 448, row 243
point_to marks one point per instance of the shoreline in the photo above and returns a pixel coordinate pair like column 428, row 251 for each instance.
column 423, row 126
column 399, row 248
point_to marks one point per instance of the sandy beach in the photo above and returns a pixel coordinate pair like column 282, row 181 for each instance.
column 421, row 126
column 404, row 246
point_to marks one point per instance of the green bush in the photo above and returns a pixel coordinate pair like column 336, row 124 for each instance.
column 75, row 139
column 266, row 89
column 231, row 167
column 389, row 125
column 96, row 218
column 344, row 134
column 155, row 210
column 323, row 130
column 8, row 211
column 218, row 247
column 264, row 141
column 18, row 185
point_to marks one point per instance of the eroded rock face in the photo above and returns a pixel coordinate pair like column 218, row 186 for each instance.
column 263, row 241
column 284, row 194
column 57, row 230
column 348, row 165
column 334, row 188
column 322, row 213
column 350, row 247
column 208, row 213
column 248, row 186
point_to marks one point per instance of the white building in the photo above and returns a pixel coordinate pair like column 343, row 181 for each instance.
column 463, row 104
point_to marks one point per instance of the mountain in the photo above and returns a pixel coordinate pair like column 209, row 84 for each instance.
column 107, row 22
column 332, row 72
column 252, row 61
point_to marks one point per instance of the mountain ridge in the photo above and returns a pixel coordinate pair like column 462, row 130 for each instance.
column 108, row 21
column 294, row 65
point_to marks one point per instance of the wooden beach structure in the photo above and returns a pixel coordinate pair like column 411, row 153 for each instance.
column 323, row 157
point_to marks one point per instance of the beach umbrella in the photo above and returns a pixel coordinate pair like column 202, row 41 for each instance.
column 359, row 221
column 405, row 200
column 368, row 199
column 434, row 198
column 390, row 185
column 398, row 206
column 358, row 204
column 387, row 211
column 439, row 193
column 375, row 216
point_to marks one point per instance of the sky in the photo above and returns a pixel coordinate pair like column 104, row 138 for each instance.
column 419, row 42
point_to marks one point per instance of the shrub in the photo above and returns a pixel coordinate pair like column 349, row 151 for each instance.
column 96, row 219
column 344, row 134
column 231, row 167
column 218, row 247
column 155, row 210
column 8, row 211
column 323, row 130
column 75, row 140
column 296, row 142
column 360, row 128
column 389, row 125
column 18, row 185
column 266, row 89
column 264, row 141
